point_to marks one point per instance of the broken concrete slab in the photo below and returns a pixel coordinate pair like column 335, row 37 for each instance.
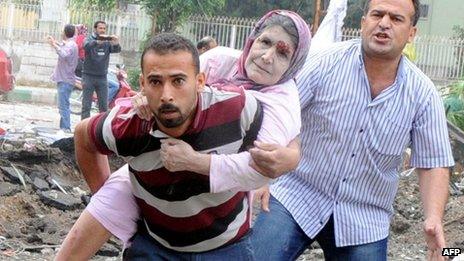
column 40, row 184
column 8, row 189
column 38, row 173
column 60, row 200
column 64, row 183
column 11, row 174
column 65, row 144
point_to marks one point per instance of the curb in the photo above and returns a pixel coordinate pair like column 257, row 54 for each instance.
column 28, row 94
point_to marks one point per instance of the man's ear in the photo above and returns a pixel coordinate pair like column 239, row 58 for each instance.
column 141, row 82
column 412, row 34
column 363, row 18
column 201, row 80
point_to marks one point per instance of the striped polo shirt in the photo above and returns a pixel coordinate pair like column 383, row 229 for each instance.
column 352, row 144
column 177, row 207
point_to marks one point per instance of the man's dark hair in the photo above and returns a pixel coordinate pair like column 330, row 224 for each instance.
column 69, row 30
column 169, row 43
column 204, row 42
column 414, row 18
column 95, row 25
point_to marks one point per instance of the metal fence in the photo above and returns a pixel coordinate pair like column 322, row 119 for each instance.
column 228, row 31
column 441, row 58
column 33, row 22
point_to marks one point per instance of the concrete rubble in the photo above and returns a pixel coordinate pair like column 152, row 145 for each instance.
column 42, row 193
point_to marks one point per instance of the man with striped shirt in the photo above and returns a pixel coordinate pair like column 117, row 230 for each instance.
column 362, row 104
column 181, row 218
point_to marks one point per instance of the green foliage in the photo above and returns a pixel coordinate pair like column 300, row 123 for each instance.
column 454, row 104
column 27, row 2
column 94, row 4
column 169, row 14
column 305, row 8
column 257, row 8
column 354, row 13
column 133, row 78
column 458, row 34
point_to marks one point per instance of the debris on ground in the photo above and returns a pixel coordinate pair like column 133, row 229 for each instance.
column 42, row 193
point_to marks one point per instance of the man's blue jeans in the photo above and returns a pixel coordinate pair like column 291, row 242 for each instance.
column 64, row 92
column 146, row 248
column 276, row 236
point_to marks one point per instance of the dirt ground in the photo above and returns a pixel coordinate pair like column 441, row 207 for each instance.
column 32, row 225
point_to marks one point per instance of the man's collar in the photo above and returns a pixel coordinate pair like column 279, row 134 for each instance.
column 400, row 73
column 195, row 124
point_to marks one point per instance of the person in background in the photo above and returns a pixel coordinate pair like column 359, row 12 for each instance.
column 98, row 47
column 206, row 43
column 64, row 72
column 81, row 34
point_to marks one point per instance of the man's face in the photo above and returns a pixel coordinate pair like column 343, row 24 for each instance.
column 269, row 56
column 101, row 28
column 210, row 46
column 387, row 27
column 171, row 86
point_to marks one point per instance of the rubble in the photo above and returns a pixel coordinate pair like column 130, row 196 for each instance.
column 15, row 176
column 40, row 184
column 34, row 220
column 8, row 189
column 59, row 200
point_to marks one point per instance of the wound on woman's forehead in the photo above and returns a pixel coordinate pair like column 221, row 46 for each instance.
column 283, row 47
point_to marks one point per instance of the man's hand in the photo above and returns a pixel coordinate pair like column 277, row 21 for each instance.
column 51, row 41
column 262, row 194
column 114, row 39
column 433, row 187
column 272, row 160
column 140, row 105
column 176, row 155
column 435, row 238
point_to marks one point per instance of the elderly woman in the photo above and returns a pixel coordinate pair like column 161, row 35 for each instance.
column 273, row 55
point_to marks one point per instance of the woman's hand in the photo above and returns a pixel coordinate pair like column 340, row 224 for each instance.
column 140, row 105
column 262, row 195
column 272, row 160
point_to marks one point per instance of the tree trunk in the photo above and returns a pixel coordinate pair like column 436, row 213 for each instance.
column 317, row 16
column 153, row 24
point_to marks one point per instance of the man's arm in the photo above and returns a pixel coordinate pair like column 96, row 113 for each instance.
column 232, row 171
column 114, row 44
column 89, row 43
column 93, row 165
column 433, row 186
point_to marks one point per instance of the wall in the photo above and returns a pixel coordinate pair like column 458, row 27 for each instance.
column 34, row 61
column 442, row 16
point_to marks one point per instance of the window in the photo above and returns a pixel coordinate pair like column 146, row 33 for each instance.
column 424, row 10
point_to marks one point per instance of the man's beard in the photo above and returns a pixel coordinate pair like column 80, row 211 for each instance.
column 173, row 122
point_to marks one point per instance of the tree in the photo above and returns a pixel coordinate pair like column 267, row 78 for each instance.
column 354, row 13
column 257, row 8
column 102, row 5
column 94, row 4
column 168, row 14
